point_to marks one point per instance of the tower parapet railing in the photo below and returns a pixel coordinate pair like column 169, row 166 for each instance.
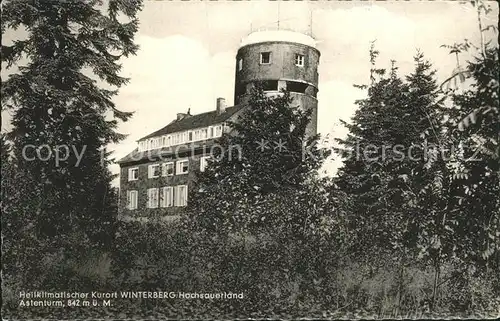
column 275, row 27
column 267, row 33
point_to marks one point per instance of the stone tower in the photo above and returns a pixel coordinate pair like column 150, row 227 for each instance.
column 280, row 59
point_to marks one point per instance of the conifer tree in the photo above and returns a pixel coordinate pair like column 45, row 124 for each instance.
column 385, row 174
column 62, row 97
column 427, row 201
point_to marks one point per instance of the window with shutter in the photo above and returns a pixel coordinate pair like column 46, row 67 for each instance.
column 167, row 169
column 154, row 171
column 152, row 197
column 167, row 197
column 132, row 200
column 182, row 167
column 203, row 163
column 181, row 195
column 133, row 174
column 218, row 131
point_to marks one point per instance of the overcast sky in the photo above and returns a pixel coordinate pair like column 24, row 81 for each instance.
column 187, row 51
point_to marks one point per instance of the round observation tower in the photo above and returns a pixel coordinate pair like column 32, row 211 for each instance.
column 279, row 59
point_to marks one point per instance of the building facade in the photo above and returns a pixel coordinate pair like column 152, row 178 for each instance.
column 156, row 178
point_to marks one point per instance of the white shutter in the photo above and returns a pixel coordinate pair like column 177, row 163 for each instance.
column 181, row 195
column 218, row 131
column 153, row 171
column 163, row 197
column 167, row 196
column 133, row 174
column 203, row 163
column 131, row 200
column 182, row 167
column 165, row 169
column 152, row 197
column 155, row 198
column 134, row 199
column 185, row 195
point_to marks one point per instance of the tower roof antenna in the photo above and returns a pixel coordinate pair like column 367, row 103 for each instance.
column 311, row 23
column 279, row 15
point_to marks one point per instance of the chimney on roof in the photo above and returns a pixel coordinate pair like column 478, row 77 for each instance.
column 181, row 116
column 221, row 105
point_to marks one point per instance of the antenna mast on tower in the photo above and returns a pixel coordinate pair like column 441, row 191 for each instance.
column 279, row 15
column 311, row 23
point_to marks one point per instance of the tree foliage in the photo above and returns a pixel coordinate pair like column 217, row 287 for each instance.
column 267, row 154
column 431, row 197
column 474, row 123
column 387, row 152
column 410, row 224
column 60, row 97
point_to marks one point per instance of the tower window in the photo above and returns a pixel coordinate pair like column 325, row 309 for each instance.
column 265, row 57
column 269, row 85
column 240, row 64
column 296, row 87
column 299, row 60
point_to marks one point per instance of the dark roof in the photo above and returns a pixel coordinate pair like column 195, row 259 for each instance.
column 196, row 121
column 165, row 153
column 191, row 122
